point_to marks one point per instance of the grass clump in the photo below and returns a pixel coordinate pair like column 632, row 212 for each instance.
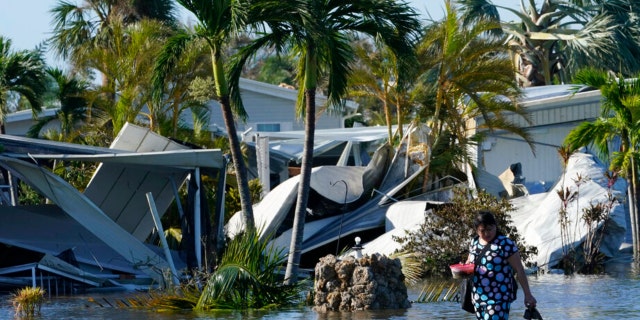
column 27, row 302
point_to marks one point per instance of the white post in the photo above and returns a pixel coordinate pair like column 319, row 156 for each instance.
column 197, row 226
column 33, row 277
column 262, row 157
column 163, row 239
column 344, row 156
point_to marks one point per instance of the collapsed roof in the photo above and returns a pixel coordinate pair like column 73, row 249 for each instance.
column 107, row 224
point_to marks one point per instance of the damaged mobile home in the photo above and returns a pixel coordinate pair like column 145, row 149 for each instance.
column 98, row 237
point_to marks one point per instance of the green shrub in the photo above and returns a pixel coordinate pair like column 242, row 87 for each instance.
column 444, row 238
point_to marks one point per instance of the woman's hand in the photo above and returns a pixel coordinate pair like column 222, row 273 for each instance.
column 530, row 301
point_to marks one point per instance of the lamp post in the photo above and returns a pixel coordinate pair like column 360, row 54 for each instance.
column 358, row 248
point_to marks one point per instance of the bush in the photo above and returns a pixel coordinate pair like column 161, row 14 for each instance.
column 444, row 238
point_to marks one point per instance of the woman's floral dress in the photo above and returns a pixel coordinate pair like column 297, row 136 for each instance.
column 493, row 285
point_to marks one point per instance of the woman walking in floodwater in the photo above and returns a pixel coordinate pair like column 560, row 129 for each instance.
column 496, row 257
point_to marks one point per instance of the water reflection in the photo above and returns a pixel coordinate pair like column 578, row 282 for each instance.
column 609, row 296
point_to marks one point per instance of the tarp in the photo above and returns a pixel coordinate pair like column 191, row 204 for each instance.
column 536, row 216
column 368, row 216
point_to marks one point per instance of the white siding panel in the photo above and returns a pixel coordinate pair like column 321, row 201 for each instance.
column 544, row 165
column 263, row 108
column 552, row 119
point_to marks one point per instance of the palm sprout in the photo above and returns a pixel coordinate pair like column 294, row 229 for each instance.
column 441, row 290
column 247, row 277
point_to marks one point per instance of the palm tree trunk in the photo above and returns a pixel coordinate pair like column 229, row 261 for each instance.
column 633, row 210
column 399, row 116
column 387, row 116
column 297, row 235
column 238, row 163
column 222, row 90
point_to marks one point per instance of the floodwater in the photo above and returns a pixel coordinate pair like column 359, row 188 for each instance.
column 610, row 296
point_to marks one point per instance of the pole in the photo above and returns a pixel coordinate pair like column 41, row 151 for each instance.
column 344, row 208
column 163, row 239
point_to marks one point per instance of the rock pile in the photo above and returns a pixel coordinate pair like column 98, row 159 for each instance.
column 371, row 282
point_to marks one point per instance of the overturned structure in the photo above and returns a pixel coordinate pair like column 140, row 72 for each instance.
column 103, row 230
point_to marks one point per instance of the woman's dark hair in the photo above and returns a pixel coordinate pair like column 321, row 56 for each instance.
column 485, row 218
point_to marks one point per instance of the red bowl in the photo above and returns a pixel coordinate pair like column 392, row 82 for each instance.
column 460, row 269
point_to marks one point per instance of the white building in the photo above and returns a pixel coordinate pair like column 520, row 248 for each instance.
column 18, row 123
column 554, row 111
column 271, row 108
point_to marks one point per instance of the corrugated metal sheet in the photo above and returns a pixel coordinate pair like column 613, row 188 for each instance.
column 119, row 189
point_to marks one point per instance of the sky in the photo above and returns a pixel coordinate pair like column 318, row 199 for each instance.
column 28, row 22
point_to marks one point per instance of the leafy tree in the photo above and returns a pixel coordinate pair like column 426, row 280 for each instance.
column 554, row 38
column 187, row 91
column 276, row 70
column 90, row 36
column 22, row 76
column 80, row 27
column 618, row 125
column 444, row 238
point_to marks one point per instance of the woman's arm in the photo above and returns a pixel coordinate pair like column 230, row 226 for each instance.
column 516, row 264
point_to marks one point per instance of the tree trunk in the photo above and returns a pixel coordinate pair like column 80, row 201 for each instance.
column 387, row 114
column 297, row 235
column 633, row 210
column 222, row 90
column 238, row 163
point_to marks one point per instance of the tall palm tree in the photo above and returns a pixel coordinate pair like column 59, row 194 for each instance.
column 318, row 33
column 619, row 124
column 466, row 87
column 218, row 22
column 22, row 75
column 554, row 38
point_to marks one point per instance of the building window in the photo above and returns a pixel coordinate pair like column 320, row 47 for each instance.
column 268, row 127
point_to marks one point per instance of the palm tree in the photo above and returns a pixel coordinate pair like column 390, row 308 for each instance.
column 466, row 87
column 128, row 65
column 556, row 37
column 77, row 27
column 189, row 92
column 219, row 21
column 619, row 124
column 70, row 93
column 317, row 32
column 376, row 74
column 22, row 75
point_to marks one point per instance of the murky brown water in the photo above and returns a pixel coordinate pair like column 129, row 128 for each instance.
column 612, row 296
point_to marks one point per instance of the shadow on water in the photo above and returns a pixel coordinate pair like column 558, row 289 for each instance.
column 610, row 296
